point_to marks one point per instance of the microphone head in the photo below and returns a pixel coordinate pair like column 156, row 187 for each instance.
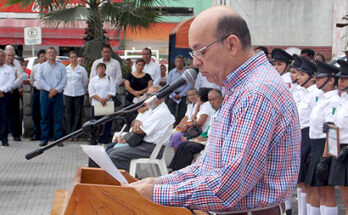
column 190, row 75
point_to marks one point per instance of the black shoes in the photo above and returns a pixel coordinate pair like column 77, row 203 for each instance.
column 60, row 144
column 288, row 212
column 34, row 138
column 5, row 144
column 43, row 144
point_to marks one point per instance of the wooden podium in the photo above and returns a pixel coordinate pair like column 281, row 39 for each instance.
column 95, row 192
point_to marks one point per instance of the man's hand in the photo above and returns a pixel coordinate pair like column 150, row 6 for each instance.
column 145, row 186
column 52, row 93
column 184, row 139
column 136, row 127
column 1, row 94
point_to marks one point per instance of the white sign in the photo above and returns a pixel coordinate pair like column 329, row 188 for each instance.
column 32, row 36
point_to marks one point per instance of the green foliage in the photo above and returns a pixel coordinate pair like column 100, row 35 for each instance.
column 133, row 14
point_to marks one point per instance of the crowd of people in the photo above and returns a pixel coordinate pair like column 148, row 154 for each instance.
column 263, row 127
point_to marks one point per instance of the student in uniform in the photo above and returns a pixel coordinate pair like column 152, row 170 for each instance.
column 321, row 196
column 281, row 61
column 309, row 92
column 339, row 166
column 294, row 71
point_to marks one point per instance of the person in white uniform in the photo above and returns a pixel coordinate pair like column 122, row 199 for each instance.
column 321, row 196
column 281, row 61
column 309, row 92
column 294, row 71
column 339, row 166
column 7, row 79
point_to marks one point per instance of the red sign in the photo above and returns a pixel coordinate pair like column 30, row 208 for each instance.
column 34, row 7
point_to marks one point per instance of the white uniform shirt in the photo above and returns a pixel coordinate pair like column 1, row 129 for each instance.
column 287, row 79
column 155, row 123
column 101, row 87
column 306, row 104
column 322, row 112
column 34, row 75
column 20, row 76
column 341, row 119
column 297, row 92
column 205, row 108
column 153, row 69
column 7, row 78
column 113, row 70
column 77, row 81
column 191, row 110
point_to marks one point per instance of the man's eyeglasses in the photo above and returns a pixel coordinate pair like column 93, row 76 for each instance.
column 198, row 54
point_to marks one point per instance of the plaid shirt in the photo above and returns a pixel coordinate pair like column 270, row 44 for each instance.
column 253, row 152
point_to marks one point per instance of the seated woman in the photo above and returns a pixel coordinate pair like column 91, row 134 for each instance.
column 101, row 89
column 189, row 148
column 201, row 122
column 191, row 111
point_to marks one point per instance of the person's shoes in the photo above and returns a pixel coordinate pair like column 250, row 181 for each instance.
column 288, row 212
column 17, row 139
column 43, row 144
column 60, row 144
column 5, row 144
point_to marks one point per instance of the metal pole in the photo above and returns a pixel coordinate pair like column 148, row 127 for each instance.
column 33, row 50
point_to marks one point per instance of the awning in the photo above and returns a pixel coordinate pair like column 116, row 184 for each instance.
column 12, row 32
column 181, row 33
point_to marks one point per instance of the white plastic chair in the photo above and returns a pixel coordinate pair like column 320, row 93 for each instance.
column 161, row 163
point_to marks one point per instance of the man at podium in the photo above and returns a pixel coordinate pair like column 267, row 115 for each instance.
column 251, row 161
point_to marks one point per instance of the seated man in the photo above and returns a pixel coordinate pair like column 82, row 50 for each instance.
column 151, row 123
column 188, row 148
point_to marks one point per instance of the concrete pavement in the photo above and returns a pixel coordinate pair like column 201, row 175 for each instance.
column 28, row 187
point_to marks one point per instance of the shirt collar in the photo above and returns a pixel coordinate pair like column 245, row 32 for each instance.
column 237, row 77
column 312, row 88
column 344, row 95
column 330, row 93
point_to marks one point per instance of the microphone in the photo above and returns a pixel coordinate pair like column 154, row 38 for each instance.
column 189, row 76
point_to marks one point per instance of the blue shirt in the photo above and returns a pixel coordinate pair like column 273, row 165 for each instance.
column 182, row 91
column 52, row 77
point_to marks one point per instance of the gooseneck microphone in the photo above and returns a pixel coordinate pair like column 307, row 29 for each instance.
column 189, row 76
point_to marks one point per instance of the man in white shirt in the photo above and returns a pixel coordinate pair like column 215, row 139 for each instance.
column 7, row 78
column 153, row 124
column 35, row 99
column 113, row 68
column 202, row 81
column 151, row 68
column 15, row 96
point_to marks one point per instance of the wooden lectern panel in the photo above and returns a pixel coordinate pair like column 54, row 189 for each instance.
column 95, row 192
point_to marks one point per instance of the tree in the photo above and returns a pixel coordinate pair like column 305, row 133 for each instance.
column 133, row 14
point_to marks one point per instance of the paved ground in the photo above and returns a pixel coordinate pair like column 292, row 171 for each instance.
column 28, row 187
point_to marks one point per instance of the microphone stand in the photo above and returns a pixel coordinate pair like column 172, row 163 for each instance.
column 93, row 127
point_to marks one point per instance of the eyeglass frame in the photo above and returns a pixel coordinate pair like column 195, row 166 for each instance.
column 201, row 50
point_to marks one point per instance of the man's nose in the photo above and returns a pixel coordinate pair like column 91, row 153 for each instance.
column 197, row 62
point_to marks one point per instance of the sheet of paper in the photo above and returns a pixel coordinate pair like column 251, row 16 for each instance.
column 99, row 155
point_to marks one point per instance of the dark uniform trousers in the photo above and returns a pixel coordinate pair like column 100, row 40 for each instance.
column 14, row 115
column 3, row 118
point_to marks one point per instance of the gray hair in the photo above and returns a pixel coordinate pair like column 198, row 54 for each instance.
column 236, row 25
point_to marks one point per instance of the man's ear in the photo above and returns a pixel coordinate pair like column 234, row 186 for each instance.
column 233, row 44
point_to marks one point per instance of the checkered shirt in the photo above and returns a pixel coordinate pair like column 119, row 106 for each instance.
column 252, row 156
